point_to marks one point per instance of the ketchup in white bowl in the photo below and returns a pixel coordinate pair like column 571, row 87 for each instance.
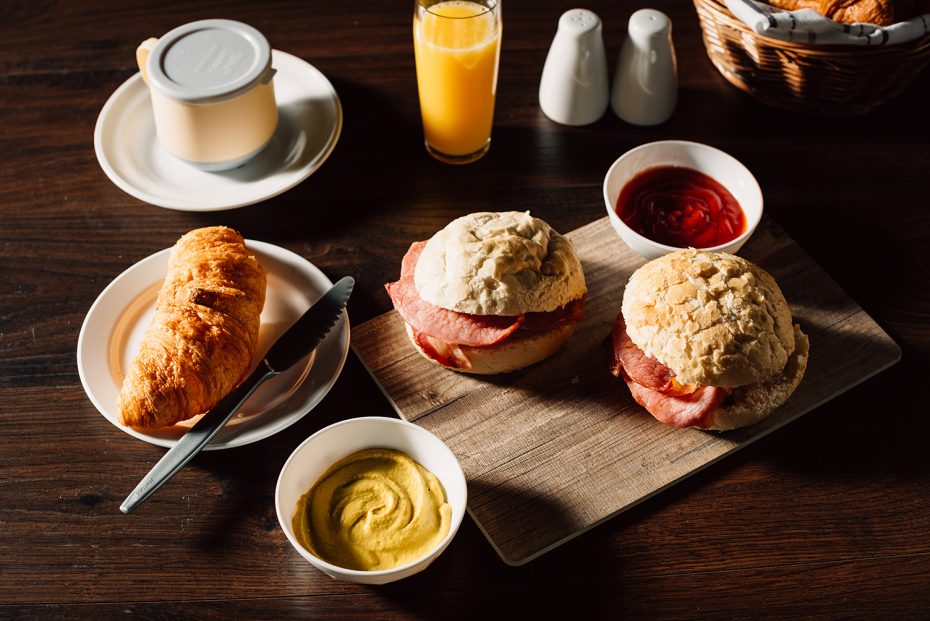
column 680, row 207
column 672, row 194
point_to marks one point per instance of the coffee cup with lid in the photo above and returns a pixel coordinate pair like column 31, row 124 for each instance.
column 212, row 91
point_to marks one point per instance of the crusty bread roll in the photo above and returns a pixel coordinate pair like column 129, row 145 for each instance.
column 712, row 318
column 490, row 293
column 705, row 339
column 504, row 263
column 517, row 352
column 200, row 342
column 751, row 403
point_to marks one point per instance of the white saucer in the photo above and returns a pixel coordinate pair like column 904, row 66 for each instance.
column 116, row 322
column 310, row 121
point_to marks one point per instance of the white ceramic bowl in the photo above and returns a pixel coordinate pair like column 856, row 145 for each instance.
column 721, row 166
column 325, row 447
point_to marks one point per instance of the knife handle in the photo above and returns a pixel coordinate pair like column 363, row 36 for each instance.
column 194, row 440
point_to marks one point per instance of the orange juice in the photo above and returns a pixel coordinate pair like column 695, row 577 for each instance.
column 457, row 47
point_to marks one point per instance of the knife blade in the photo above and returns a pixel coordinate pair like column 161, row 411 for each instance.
column 298, row 341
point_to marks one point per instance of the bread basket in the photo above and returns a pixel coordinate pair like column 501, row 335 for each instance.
column 818, row 79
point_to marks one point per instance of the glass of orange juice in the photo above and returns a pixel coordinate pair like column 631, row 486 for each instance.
column 457, row 48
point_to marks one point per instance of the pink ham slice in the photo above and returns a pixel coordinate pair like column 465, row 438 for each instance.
column 571, row 313
column 654, row 386
column 642, row 369
column 440, row 352
column 441, row 323
column 691, row 410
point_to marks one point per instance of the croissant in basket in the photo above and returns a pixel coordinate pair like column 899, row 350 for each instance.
column 204, row 332
column 878, row 12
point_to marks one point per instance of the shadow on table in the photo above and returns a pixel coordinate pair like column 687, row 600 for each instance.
column 499, row 589
column 378, row 135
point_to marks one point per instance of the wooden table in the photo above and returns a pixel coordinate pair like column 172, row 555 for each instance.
column 825, row 518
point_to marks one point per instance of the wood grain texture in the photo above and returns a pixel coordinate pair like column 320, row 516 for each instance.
column 778, row 591
column 558, row 448
column 825, row 519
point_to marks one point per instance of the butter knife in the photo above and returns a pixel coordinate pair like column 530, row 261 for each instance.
column 299, row 340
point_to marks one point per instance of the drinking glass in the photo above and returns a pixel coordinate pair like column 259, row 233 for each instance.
column 457, row 49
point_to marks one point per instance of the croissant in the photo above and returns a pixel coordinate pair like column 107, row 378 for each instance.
column 878, row 12
column 204, row 332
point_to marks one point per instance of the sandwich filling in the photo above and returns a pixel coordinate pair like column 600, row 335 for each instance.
column 441, row 332
column 655, row 387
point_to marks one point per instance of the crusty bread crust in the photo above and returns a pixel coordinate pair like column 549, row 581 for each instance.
column 505, row 263
column 751, row 403
column 713, row 318
column 516, row 352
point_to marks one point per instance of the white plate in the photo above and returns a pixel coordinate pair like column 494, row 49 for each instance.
column 116, row 322
column 310, row 121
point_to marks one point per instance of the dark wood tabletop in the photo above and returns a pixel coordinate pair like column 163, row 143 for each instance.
column 825, row 518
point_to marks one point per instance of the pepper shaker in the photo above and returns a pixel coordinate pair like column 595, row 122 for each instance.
column 574, row 85
column 645, row 88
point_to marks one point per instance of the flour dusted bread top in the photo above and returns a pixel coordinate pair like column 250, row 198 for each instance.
column 504, row 263
column 712, row 318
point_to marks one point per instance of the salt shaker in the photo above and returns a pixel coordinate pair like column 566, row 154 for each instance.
column 645, row 88
column 574, row 85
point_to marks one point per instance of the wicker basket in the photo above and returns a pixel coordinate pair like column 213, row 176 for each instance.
column 825, row 79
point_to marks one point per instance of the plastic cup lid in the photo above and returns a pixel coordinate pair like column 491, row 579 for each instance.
column 209, row 60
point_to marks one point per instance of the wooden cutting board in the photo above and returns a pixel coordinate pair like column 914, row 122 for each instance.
column 555, row 449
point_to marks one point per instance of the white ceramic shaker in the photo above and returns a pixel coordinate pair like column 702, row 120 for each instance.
column 574, row 86
column 645, row 88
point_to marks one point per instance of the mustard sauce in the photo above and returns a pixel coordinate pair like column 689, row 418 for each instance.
column 374, row 509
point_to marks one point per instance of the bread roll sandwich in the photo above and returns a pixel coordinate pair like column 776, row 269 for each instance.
column 204, row 332
column 490, row 293
column 705, row 339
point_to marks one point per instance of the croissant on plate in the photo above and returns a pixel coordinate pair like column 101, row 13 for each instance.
column 204, row 332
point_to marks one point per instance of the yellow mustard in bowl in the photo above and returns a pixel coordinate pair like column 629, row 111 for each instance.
column 373, row 509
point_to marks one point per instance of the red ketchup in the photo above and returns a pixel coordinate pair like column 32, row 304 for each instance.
column 680, row 207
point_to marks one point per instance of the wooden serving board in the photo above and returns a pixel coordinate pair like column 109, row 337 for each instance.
column 555, row 449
